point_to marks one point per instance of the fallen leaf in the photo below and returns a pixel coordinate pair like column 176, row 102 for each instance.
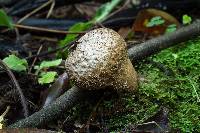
column 153, row 22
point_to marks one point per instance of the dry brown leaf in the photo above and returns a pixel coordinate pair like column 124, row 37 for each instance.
column 144, row 16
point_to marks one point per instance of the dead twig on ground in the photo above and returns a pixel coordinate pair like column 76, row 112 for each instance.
column 54, row 110
column 45, row 29
column 33, row 63
column 51, row 9
column 53, row 51
column 34, row 11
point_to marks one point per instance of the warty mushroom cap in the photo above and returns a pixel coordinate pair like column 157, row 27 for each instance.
column 101, row 60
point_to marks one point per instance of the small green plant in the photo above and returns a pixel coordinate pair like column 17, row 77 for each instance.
column 155, row 21
column 47, row 64
column 47, row 77
column 171, row 28
column 44, row 76
column 75, row 28
column 186, row 19
column 5, row 20
column 15, row 63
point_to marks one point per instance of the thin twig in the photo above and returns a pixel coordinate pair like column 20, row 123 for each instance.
column 152, row 122
column 52, row 51
column 50, row 39
column 16, row 84
column 6, row 111
column 34, row 11
column 38, row 52
column 51, row 9
column 46, row 30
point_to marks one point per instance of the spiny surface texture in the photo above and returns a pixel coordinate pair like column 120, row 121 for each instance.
column 99, row 60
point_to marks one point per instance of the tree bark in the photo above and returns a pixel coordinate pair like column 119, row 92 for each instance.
column 53, row 111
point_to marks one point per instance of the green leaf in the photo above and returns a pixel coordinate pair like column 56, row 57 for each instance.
column 171, row 28
column 104, row 10
column 47, row 77
column 5, row 20
column 46, row 64
column 15, row 63
column 186, row 19
column 78, row 27
column 155, row 21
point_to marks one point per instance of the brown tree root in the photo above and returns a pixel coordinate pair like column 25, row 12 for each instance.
column 74, row 95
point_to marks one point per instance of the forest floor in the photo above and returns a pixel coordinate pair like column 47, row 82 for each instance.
column 40, row 37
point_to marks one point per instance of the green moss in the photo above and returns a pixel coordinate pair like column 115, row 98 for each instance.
column 178, row 93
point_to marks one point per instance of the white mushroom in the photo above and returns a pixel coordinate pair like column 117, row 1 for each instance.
column 101, row 60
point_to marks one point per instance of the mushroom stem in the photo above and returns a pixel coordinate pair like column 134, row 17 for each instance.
column 127, row 77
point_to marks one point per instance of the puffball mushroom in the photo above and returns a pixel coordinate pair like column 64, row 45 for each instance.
column 101, row 60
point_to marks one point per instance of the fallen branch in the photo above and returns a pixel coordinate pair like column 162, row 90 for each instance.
column 53, row 111
column 71, row 97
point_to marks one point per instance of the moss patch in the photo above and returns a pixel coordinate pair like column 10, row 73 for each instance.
column 179, row 93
